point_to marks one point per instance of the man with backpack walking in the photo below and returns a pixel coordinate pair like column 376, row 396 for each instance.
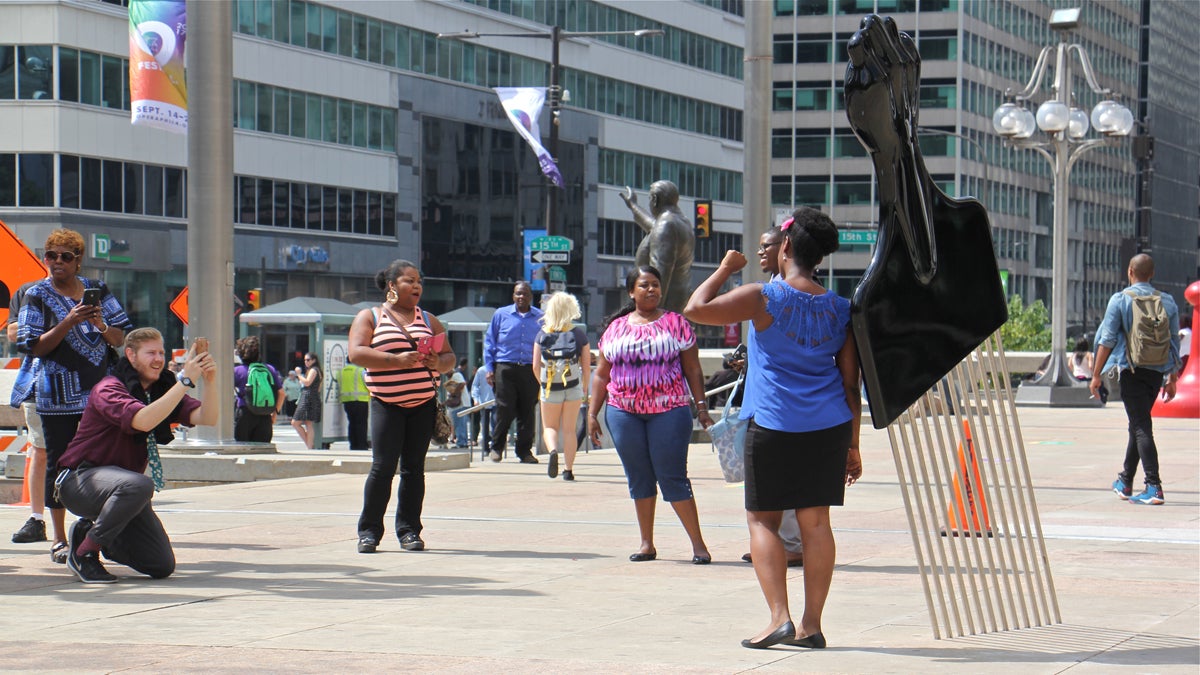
column 259, row 394
column 1140, row 338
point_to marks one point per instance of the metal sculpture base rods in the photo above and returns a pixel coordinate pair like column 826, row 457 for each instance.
column 971, row 506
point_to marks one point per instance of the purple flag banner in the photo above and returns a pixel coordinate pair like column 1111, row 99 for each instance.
column 524, row 105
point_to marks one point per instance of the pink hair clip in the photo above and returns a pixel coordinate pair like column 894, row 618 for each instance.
column 786, row 224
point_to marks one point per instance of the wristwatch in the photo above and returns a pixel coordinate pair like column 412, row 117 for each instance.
column 184, row 380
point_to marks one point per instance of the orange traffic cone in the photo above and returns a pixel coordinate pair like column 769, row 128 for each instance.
column 968, row 499
column 25, row 478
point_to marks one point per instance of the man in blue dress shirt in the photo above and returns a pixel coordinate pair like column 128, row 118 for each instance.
column 508, row 360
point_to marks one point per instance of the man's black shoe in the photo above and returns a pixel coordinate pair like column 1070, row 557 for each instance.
column 529, row 459
column 33, row 530
column 367, row 544
column 75, row 537
column 412, row 542
column 89, row 570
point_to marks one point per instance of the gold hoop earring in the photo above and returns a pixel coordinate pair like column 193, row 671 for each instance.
column 391, row 296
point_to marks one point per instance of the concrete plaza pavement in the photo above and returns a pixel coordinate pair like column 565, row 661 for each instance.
column 526, row 574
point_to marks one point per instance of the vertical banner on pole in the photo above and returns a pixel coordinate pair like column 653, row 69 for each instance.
column 524, row 105
column 157, row 84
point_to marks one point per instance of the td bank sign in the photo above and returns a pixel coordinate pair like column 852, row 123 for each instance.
column 105, row 248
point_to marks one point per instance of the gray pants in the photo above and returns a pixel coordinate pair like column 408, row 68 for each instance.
column 127, row 529
column 789, row 531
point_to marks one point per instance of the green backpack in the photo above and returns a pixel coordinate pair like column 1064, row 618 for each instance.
column 260, row 390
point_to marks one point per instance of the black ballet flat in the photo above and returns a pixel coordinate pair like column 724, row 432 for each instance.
column 643, row 557
column 814, row 641
column 783, row 634
column 701, row 560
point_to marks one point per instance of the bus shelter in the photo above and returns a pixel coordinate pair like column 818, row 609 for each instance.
column 327, row 323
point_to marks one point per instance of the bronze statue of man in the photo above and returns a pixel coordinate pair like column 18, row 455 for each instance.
column 669, row 243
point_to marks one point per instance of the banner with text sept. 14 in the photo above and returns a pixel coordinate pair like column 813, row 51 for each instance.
column 157, row 85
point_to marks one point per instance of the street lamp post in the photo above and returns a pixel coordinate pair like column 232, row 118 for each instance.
column 1064, row 128
column 554, row 94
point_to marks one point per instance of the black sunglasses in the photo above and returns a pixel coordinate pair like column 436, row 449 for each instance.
column 66, row 256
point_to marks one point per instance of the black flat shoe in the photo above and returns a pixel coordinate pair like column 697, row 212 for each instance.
column 814, row 641
column 644, row 557
column 701, row 560
column 783, row 634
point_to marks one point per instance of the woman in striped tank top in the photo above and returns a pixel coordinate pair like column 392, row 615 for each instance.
column 385, row 341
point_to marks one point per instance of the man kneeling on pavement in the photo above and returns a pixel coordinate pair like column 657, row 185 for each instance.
column 102, row 475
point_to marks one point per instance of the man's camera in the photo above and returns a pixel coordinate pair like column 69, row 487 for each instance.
column 738, row 354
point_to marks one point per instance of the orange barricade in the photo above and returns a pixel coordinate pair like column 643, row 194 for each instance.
column 968, row 491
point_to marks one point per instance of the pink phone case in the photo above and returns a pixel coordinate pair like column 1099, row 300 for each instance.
column 431, row 345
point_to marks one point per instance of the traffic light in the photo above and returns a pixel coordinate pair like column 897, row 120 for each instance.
column 254, row 298
column 703, row 218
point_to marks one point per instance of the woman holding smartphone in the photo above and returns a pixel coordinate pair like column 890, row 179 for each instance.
column 402, row 349
column 68, row 322
column 308, row 410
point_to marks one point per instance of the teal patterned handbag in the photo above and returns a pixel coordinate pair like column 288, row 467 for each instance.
column 729, row 439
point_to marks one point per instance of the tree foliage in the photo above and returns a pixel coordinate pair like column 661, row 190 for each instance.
column 1027, row 328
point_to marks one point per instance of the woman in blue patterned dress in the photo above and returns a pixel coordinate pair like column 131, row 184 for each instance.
column 802, row 400
column 72, row 339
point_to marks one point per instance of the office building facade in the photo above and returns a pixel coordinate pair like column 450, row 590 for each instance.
column 361, row 137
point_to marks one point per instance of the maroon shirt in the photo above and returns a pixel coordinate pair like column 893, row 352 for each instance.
column 106, row 436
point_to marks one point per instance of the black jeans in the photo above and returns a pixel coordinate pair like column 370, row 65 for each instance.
column 250, row 427
column 356, row 423
column 127, row 529
column 1138, row 390
column 59, row 431
column 399, row 436
column 516, row 398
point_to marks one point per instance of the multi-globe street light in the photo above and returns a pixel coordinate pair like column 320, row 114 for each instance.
column 1064, row 128
column 554, row 92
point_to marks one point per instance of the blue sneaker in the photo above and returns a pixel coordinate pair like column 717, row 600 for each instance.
column 1123, row 490
column 1153, row 495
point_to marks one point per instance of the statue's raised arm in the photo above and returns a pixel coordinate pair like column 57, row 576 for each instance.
column 640, row 216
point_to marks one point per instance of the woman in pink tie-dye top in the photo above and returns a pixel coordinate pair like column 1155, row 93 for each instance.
column 649, row 374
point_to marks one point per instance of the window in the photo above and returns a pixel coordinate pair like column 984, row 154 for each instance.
column 68, row 181
column 8, row 72
column 68, row 74
column 112, row 86
column 36, row 186
column 176, row 191
column 246, row 106
column 89, row 78
column 110, row 187
column 35, row 79
column 8, row 179
column 153, row 190
column 90, row 181
column 133, row 188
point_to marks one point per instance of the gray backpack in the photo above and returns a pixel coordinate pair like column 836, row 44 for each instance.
column 1148, row 342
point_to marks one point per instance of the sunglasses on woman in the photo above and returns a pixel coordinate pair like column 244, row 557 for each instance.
column 66, row 256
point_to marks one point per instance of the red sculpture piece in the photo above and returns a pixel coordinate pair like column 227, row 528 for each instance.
column 1187, row 390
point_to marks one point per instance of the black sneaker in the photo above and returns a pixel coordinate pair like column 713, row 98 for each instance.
column 367, row 544
column 33, row 530
column 75, row 537
column 89, row 570
column 568, row 475
column 412, row 542
column 552, row 465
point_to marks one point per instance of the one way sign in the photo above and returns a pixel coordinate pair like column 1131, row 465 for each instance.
column 547, row 257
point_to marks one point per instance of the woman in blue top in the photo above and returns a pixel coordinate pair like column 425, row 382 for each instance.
column 802, row 400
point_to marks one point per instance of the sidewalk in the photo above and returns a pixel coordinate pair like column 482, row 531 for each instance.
column 525, row 574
